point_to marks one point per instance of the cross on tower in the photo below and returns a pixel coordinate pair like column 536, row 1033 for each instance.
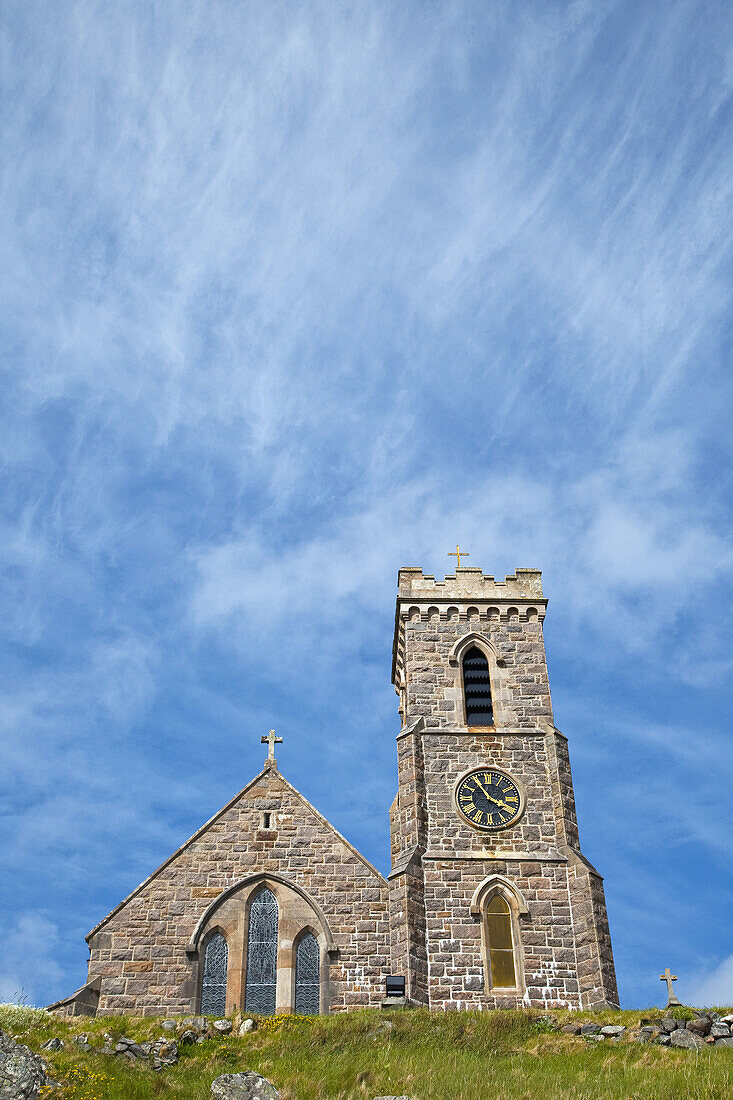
column 668, row 977
column 458, row 554
column 271, row 740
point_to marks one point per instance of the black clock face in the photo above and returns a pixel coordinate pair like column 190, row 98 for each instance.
column 488, row 799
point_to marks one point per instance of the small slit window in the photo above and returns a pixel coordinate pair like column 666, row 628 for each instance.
column 500, row 944
column 307, row 976
column 477, row 689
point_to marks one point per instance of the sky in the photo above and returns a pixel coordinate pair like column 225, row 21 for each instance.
column 292, row 295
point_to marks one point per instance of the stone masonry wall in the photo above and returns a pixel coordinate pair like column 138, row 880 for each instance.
column 140, row 950
column 539, row 855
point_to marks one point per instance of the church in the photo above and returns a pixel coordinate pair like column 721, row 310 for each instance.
column 488, row 903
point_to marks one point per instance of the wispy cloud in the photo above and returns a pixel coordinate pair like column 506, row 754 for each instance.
column 294, row 295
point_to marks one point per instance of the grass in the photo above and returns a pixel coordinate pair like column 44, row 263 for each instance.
column 447, row 1056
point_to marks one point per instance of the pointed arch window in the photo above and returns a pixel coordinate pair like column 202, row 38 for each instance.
column 500, row 944
column 261, row 983
column 307, row 976
column 477, row 688
column 214, row 983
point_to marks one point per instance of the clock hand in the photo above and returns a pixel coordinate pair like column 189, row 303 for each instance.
column 490, row 797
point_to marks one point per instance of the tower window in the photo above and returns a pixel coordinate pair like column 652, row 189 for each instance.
column 477, row 689
column 500, row 944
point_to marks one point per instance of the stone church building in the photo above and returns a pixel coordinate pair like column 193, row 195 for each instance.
column 489, row 902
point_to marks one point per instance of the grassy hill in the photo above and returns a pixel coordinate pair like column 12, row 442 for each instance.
column 451, row 1056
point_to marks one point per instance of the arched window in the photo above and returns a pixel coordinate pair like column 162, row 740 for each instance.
column 261, row 984
column 500, row 943
column 307, row 976
column 477, row 688
column 214, row 984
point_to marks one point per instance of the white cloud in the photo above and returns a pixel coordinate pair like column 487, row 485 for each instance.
column 29, row 960
column 710, row 987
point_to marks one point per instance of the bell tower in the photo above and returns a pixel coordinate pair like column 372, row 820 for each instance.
column 492, row 903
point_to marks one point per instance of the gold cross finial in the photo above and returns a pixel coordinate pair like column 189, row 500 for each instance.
column 669, row 977
column 271, row 740
column 458, row 554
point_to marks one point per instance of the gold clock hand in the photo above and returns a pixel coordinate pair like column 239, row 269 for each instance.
column 490, row 797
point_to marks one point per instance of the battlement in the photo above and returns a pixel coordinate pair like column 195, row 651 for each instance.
column 467, row 583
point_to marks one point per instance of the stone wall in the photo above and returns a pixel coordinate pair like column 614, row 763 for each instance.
column 148, row 951
column 559, row 914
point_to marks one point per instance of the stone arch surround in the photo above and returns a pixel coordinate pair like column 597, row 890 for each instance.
column 297, row 912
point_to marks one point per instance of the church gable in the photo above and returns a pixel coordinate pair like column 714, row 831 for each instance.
column 151, row 951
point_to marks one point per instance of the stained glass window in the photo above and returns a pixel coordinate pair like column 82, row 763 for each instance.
column 214, row 984
column 477, row 689
column 501, row 944
column 261, row 984
column 307, row 976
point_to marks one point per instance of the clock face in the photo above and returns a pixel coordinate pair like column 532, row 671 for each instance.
column 488, row 799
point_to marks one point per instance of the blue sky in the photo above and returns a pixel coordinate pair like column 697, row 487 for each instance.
column 292, row 295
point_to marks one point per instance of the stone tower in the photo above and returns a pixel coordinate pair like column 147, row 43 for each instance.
column 492, row 903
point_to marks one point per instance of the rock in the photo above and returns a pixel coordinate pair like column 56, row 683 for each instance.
column 648, row 1034
column 52, row 1044
column 163, row 1052
column 720, row 1031
column 688, row 1040
column 668, row 1024
column 726, row 1019
column 613, row 1031
column 700, row 1025
column 590, row 1029
column 246, row 1027
column 82, row 1041
column 243, row 1086
column 169, row 1025
column 662, row 1040
column 197, row 1024
column 570, row 1029
column 22, row 1073
column 724, row 1042
column 188, row 1036
column 222, row 1026
column 595, row 1038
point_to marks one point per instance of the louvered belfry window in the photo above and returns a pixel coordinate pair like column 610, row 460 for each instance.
column 307, row 976
column 214, row 984
column 261, row 985
column 477, row 689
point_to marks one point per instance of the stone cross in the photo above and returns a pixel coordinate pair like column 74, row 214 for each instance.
column 458, row 554
column 271, row 740
column 668, row 977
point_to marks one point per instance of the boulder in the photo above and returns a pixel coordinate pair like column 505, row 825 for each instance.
column 685, row 1039
column 590, row 1029
column 570, row 1029
column 699, row 1026
column 662, row 1040
column 246, row 1027
column 720, row 1031
column 22, row 1073
column 613, row 1031
column 52, row 1044
column 197, row 1024
column 724, row 1042
column 82, row 1041
column 222, row 1026
column 187, row 1037
column 668, row 1024
column 726, row 1019
column 243, row 1086
column 169, row 1026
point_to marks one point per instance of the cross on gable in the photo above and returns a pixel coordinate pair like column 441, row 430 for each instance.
column 271, row 740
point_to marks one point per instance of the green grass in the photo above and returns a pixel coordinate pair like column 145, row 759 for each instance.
column 447, row 1056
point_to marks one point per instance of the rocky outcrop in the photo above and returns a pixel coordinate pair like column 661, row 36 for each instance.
column 22, row 1073
column 243, row 1086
